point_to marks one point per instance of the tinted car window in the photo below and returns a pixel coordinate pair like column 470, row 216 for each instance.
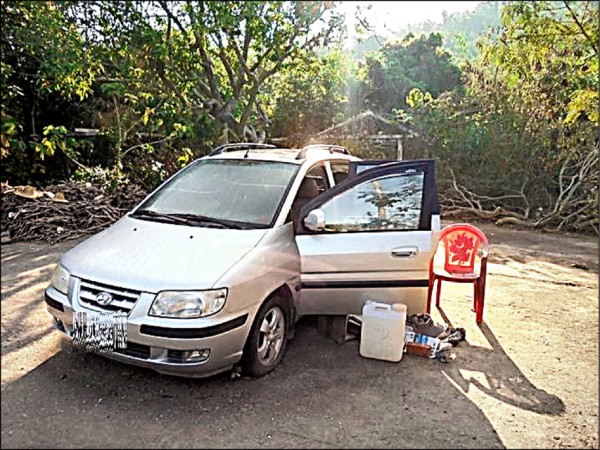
column 389, row 203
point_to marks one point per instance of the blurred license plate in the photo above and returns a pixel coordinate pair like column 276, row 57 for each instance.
column 100, row 332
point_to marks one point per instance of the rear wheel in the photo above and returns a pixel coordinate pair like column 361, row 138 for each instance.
column 268, row 338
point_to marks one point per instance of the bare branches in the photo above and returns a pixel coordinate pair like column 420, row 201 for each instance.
column 575, row 206
column 462, row 201
column 88, row 209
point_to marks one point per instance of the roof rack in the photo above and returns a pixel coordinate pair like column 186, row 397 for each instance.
column 331, row 148
column 239, row 146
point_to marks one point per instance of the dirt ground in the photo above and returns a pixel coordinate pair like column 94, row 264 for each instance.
column 527, row 378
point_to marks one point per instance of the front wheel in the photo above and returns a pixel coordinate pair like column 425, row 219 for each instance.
column 268, row 338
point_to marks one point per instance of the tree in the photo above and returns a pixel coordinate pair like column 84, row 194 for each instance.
column 156, row 78
column 398, row 67
column 304, row 100
column 214, row 57
column 526, row 120
column 460, row 30
column 45, row 70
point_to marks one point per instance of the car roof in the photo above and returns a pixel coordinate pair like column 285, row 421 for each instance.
column 299, row 156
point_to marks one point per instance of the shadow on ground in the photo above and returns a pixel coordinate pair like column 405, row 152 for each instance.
column 322, row 395
column 26, row 270
column 505, row 382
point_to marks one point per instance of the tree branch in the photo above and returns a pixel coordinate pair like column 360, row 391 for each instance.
column 235, row 85
column 204, row 58
column 576, row 19
column 168, row 138
column 174, row 18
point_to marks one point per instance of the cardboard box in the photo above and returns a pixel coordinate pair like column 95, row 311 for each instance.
column 418, row 349
column 417, row 344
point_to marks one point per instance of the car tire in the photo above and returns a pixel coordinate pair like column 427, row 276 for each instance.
column 268, row 338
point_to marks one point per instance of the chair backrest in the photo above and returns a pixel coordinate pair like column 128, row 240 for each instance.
column 461, row 242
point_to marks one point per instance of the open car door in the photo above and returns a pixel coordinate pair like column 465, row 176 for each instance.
column 371, row 237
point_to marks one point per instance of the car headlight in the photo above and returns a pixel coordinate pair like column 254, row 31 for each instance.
column 188, row 304
column 60, row 279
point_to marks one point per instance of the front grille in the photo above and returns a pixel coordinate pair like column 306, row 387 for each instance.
column 123, row 300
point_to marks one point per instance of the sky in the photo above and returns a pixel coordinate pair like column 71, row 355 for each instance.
column 393, row 15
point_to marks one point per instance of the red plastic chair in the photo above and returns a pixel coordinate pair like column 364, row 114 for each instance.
column 461, row 242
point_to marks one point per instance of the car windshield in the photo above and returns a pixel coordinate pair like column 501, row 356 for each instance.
column 229, row 190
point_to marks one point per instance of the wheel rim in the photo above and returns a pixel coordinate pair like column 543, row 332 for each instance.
column 271, row 335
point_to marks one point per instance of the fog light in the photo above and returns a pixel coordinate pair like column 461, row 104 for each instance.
column 189, row 356
column 197, row 355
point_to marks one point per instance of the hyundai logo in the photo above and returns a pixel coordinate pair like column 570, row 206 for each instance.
column 104, row 298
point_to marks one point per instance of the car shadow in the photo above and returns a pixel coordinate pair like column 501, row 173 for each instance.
column 321, row 395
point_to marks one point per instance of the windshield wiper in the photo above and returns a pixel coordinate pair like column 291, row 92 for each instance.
column 148, row 213
column 204, row 219
column 187, row 219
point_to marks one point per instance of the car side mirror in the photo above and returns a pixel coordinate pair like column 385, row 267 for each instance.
column 315, row 220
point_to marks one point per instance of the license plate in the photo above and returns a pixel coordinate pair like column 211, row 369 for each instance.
column 100, row 332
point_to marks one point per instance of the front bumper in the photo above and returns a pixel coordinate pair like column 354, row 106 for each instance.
column 161, row 344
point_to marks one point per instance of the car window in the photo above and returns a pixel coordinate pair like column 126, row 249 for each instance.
column 315, row 182
column 340, row 169
column 388, row 203
column 319, row 174
column 358, row 167
column 228, row 189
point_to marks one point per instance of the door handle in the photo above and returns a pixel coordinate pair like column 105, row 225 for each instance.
column 404, row 252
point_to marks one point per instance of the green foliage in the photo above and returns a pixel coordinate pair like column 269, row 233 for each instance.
column 548, row 58
column 45, row 69
column 184, row 159
column 9, row 130
column 153, row 77
column 319, row 100
column 162, row 82
column 583, row 102
column 399, row 67
column 417, row 98
column 529, row 117
column 461, row 30
column 39, row 33
column 54, row 138
column 214, row 57
column 109, row 178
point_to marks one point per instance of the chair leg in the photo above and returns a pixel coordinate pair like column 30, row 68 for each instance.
column 475, row 295
column 438, row 292
column 430, row 294
column 481, row 301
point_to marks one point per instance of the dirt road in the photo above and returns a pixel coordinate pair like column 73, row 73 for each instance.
column 527, row 378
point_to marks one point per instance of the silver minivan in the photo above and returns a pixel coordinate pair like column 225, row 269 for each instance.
column 213, row 268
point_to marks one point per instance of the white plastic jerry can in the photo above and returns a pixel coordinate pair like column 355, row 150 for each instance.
column 382, row 332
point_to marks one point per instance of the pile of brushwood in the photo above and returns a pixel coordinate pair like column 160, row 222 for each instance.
column 63, row 211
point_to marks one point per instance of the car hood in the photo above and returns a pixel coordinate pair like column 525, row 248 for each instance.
column 153, row 256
